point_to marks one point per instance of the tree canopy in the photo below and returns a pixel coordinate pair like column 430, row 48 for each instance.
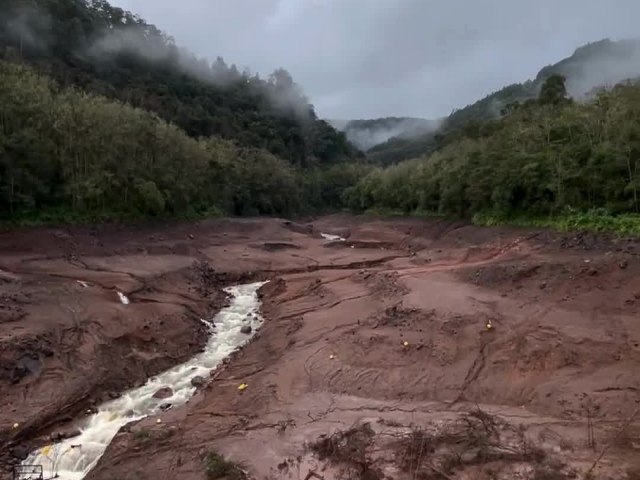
column 544, row 157
column 102, row 114
column 105, row 50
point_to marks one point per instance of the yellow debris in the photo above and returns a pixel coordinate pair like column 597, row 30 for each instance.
column 46, row 450
column 242, row 386
column 16, row 425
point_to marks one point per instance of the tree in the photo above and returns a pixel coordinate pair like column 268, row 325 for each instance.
column 553, row 90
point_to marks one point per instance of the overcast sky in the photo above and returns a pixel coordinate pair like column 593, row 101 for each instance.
column 373, row 58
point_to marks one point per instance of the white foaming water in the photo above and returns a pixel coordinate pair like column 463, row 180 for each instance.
column 333, row 238
column 73, row 458
column 123, row 298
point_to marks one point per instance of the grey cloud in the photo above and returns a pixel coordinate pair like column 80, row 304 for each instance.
column 372, row 58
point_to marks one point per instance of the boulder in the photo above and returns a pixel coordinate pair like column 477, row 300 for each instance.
column 197, row 381
column 20, row 452
column 163, row 393
column 246, row 329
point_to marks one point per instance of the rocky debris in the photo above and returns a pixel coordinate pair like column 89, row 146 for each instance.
column 579, row 240
column 197, row 381
column 246, row 329
column 165, row 406
column 276, row 246
column 58, row 436
column 164, row 392
column 623, row 264
column 206, row 277
column 298, row 227
column 21, row 452
column 26, row 364
column 11, row 309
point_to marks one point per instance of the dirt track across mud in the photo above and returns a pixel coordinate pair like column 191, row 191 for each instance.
column 386, row 329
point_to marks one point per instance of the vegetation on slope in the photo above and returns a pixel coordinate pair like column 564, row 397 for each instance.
column 105, row 50
column 67, row 154
column 546, row 157
column 113, row 119
column 594, row 65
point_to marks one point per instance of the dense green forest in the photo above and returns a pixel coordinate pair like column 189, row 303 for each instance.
column 70, row 152
column 101, row 115
column 547, row 156
column 105, row 50
column 591, row 66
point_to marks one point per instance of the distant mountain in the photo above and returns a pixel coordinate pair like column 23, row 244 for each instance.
column 598, row 64
column 366, row 134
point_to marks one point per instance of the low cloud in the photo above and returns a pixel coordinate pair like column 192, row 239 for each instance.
column 602, row 64
column 381, row 58
column 366, row 134
column 148, row 43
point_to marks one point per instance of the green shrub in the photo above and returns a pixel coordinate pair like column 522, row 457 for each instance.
column 216, row 466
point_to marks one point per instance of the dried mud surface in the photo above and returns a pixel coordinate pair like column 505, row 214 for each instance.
column 377, row 344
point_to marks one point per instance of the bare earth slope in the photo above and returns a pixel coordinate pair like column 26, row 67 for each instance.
column 374, row 342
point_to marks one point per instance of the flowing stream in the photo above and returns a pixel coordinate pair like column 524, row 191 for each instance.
column 332, row 238
column 73, row 458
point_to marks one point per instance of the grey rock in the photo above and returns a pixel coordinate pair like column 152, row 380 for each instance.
column 197, row 381
column 163, row 393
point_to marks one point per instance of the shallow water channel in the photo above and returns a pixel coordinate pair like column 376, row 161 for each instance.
column 73, row 458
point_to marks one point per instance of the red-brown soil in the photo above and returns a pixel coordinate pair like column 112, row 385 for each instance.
column 387, row 328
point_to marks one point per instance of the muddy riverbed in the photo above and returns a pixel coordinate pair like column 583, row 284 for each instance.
column 494, row 353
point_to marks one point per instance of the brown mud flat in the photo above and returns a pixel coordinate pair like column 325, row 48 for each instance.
column 374, row 361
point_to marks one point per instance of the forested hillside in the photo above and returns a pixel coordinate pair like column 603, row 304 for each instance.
column 101, row 115
column 365, row 134
column 102, row 49
column 548, row 156
column 64, row 152
column 590, row 67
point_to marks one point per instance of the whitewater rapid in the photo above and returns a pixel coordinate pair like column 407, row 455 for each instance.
column 73, row 458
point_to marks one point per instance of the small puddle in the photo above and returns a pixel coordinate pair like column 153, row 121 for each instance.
column 332, row 238
column 73, row 458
